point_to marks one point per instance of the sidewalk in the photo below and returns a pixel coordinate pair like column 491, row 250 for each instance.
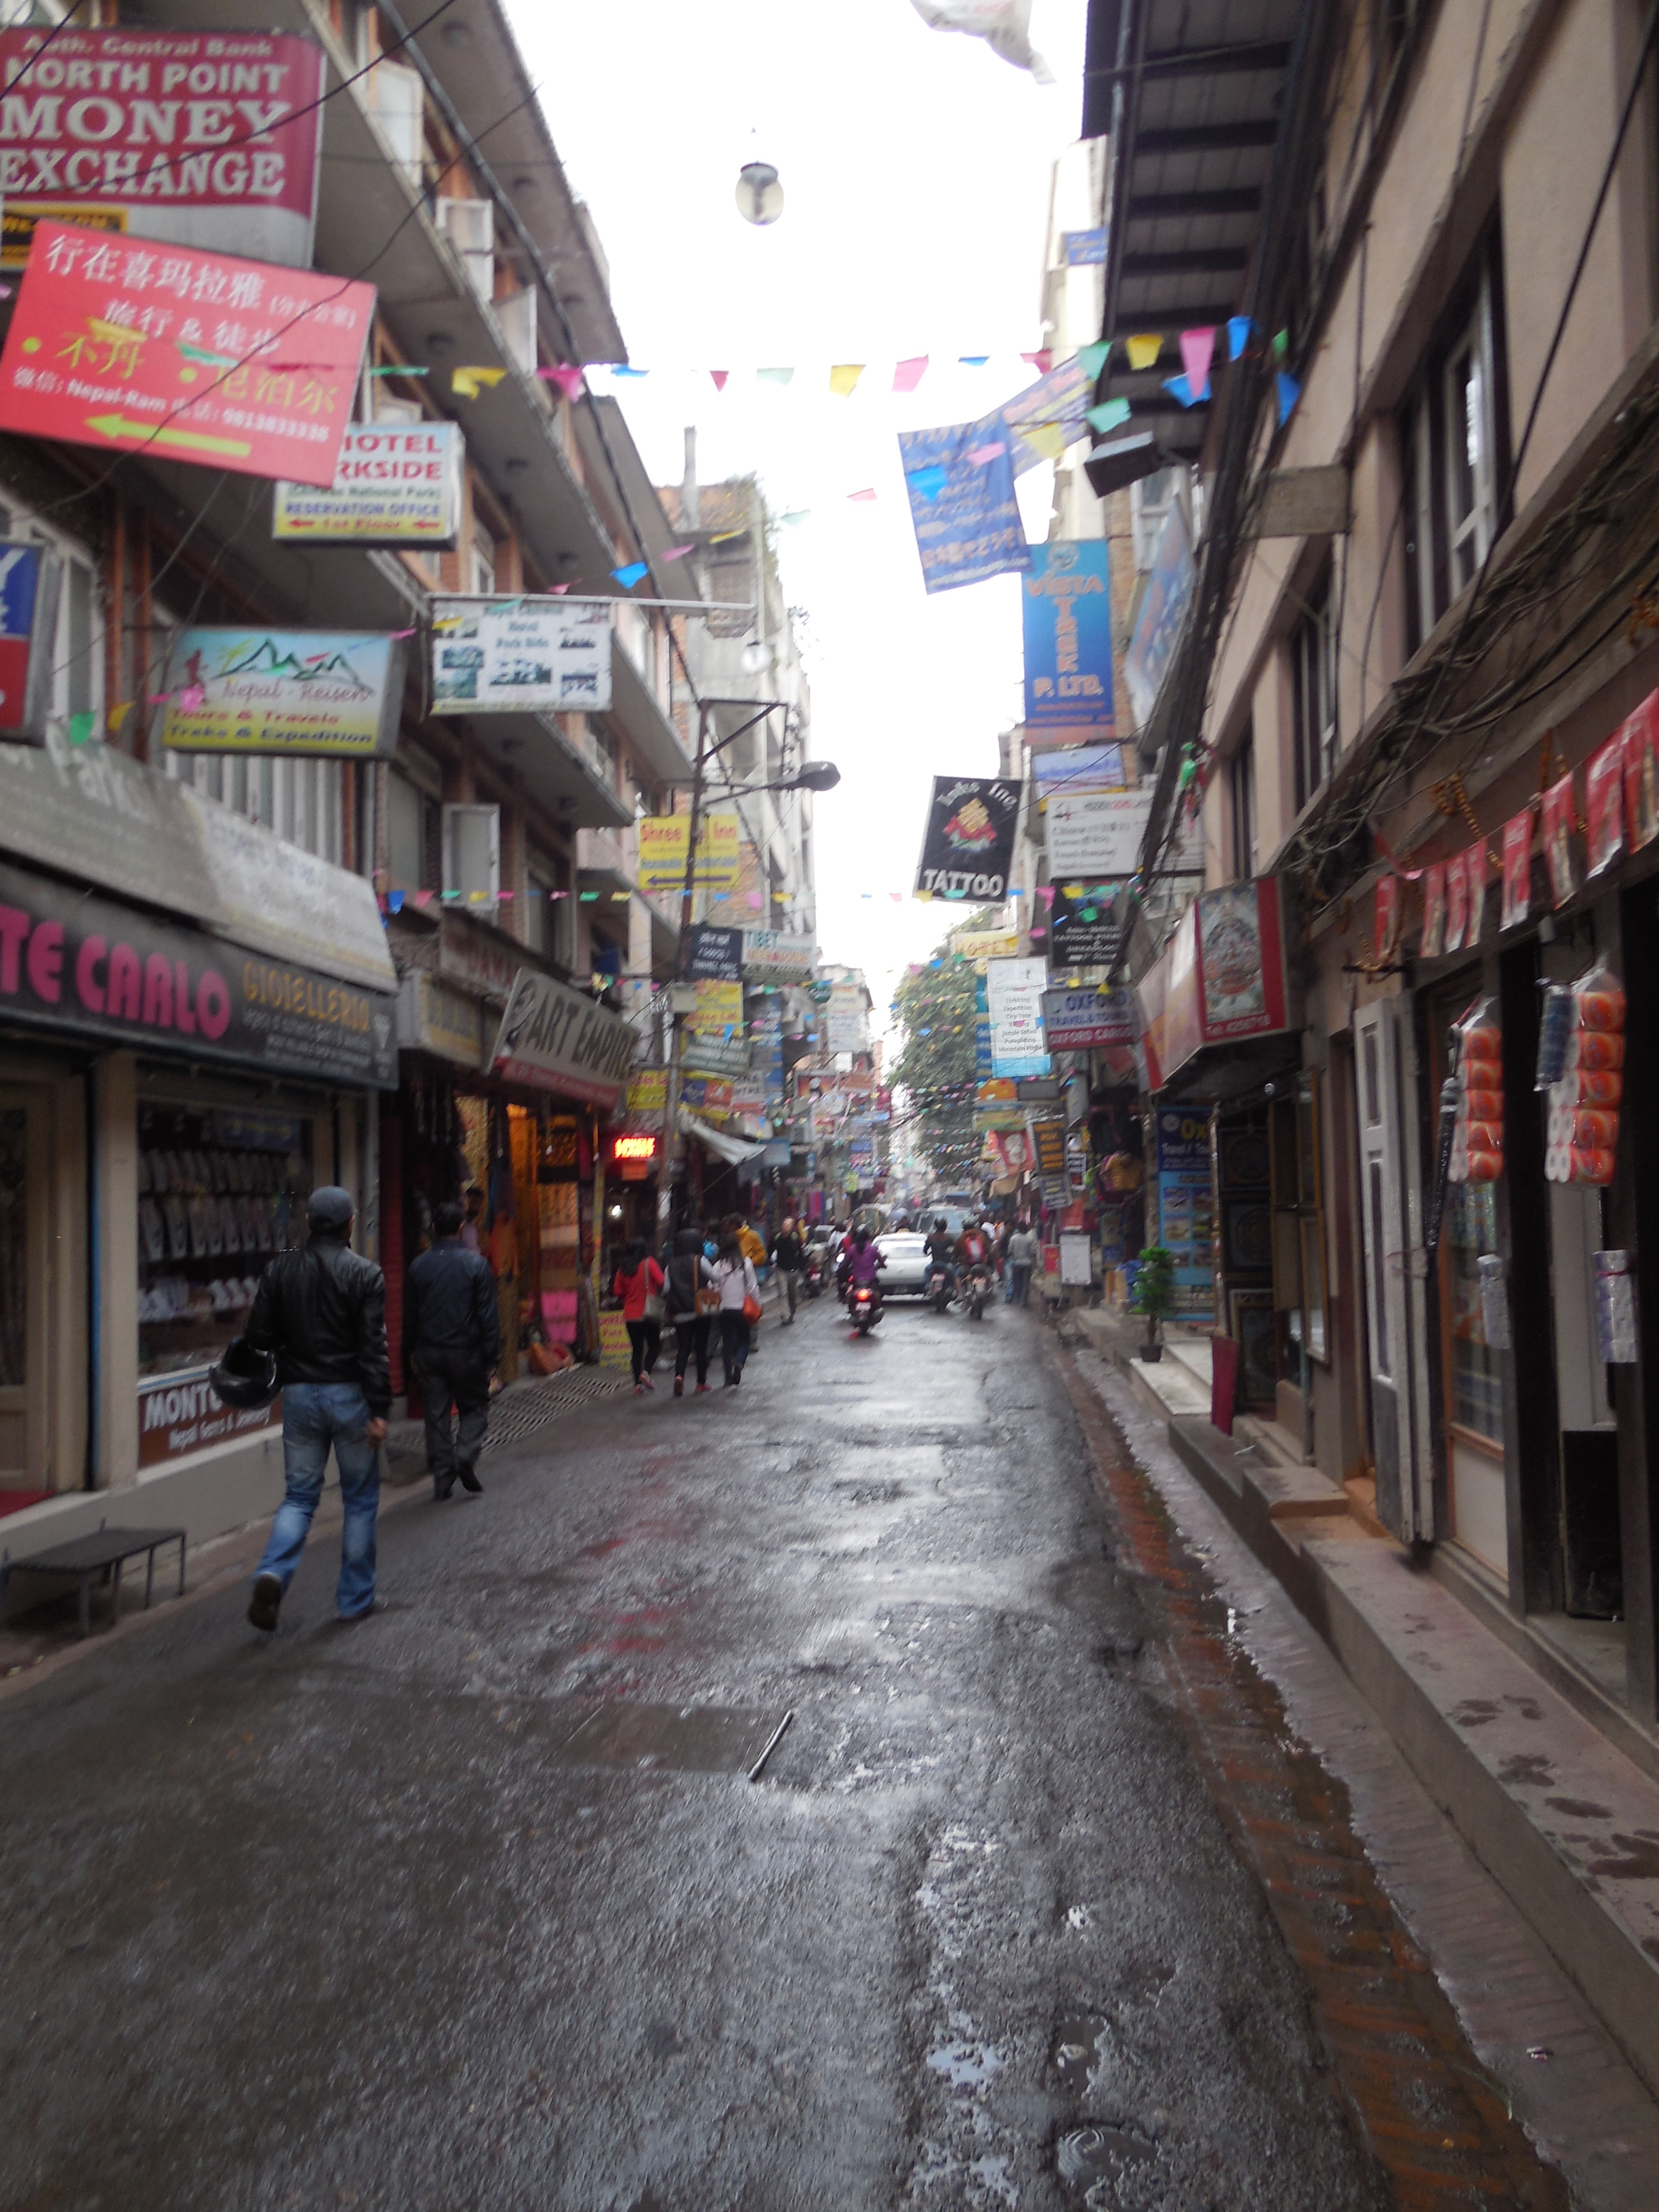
column 1565, row 1820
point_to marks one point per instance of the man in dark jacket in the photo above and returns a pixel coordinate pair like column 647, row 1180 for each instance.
column 788, row 1258
column 452, row 1339
column 322, row 1311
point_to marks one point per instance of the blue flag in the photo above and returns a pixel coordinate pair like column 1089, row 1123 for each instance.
column 966, row 522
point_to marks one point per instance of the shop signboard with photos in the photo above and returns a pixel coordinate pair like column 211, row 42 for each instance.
column 522, row 656
column 969, row 843
column 398, row 483
column 195, row 138
column 335, row 694
column 1223, row 978
column 232, row 364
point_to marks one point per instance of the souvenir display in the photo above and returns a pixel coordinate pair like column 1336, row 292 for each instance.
column 1582, row 1141
column 1477, row 1154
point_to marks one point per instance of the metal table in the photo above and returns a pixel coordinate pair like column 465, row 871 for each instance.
column 104, row 1553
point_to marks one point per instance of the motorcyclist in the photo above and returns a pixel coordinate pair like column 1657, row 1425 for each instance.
column 941, row 1251
column 861, row 1261
column 973, row 1246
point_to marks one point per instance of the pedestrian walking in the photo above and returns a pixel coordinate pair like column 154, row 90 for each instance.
column 451, row 1340
column 1021, row 1258
column 789, row 1257
column 321, row 1311
column 638, row 1283
column 740, row 1294
column 691, row 1302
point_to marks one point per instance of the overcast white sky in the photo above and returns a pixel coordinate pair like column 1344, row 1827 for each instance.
column 916, row 167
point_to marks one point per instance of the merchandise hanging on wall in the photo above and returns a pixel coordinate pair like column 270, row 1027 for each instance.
column 1583, row 1138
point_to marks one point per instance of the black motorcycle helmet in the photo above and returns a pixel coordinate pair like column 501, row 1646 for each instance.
column 244, row 1377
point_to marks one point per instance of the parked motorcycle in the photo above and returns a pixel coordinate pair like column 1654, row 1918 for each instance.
column 863, row 1307
column 811, row 1273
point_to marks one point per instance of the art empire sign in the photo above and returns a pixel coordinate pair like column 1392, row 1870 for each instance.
column 79, row 963
column 969, row 843
column 190, row 137
column 553, row 1039
column 527, row 656
column 337, row 693
column 197, row 357
column 398, row 484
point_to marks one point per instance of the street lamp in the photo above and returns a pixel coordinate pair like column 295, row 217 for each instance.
column 760, row 195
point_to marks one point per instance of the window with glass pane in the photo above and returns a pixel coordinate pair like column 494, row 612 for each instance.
column 1452, row 429
column 1313, row 648
column 1474, row 1383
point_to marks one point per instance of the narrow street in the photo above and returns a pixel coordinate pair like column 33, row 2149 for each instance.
column 475, row 1905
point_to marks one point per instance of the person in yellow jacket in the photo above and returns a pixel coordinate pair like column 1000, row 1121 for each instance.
column 753, row 1248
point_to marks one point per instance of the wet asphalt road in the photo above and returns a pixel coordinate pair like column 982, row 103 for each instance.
column 474, row 1905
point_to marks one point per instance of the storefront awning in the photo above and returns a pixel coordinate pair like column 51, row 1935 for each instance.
column 732, row 1150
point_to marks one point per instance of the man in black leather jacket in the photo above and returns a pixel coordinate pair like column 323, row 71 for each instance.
column 452, row 1339
column 322, row 1311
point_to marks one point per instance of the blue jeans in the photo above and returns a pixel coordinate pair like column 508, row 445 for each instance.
column 314, row 1416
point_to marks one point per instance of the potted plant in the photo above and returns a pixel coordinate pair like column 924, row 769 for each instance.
column 1153, row 1296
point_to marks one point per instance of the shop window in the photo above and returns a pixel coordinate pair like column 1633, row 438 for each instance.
column 221, row 1188
column 413, row 836
column 480, row 561
column 472, row 858
column 1313, row 675
column 1241, row 786
column 1453, row 439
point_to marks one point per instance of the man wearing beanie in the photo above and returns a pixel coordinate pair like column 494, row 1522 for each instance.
column 322, row 1311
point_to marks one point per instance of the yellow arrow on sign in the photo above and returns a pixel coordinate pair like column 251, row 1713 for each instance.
column 116, row 426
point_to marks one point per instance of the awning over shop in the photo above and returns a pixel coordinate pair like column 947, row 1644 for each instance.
column 734, row 1151
column 1216, row 1003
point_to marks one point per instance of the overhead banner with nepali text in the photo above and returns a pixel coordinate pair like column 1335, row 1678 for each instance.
column 961, row 483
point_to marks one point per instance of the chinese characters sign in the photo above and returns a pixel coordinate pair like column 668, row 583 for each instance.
column 520, row 656
column 199, row 138
column 192, row 356
column 1067, row 604
column 333, row 692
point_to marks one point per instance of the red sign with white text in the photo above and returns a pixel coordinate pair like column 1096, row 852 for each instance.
column 194, row 356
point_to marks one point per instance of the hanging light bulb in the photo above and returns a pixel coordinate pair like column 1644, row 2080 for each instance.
column 760, row 195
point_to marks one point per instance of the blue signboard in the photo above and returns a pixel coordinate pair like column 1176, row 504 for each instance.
column 1084, row 249
column 1169, row 593
column 966, row 522
column 1067, row 602
column 29, row 605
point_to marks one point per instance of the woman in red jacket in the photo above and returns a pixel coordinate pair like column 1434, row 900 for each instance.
column 638, row 1283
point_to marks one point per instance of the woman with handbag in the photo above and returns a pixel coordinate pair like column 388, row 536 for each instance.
column 740, row 1306
column 638, row 1283
column 692, row 1303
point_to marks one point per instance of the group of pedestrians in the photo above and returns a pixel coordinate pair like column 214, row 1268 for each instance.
column 708, row 1292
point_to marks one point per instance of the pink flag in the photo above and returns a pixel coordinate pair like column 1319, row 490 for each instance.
column 720, row 376
column 861, row 494
column 568, row 378
column 981, row 455
column 678, row 552
column 1197, row 351
column 910, row 373
column 424, row 898
column 558, row 591
column 1043, row 360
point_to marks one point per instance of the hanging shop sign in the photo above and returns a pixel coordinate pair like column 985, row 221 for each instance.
column 1080, row 1021
column 552, row 1038
column 969, row 843
column 30, row 578
column 259, row 381
column 665, row 841
column 523, row 656
column 337, row 693
column 1225, row 977
column 1013, row 996
column 984, row 944
column 1066, row 602
column 634, row 1154
column 1097, row 833
column 1083, row 931
column 715, row 956
column 434, row 1017
column 1170, row 586
column 193, row 138
column 848, row 1023
column 1079, row 768
column 70, row 961
column 713, row 1053
column 1186, row 1208
column 718, row 1009
column 772, row 956
column 963, row 510
column 647, row 1093
column 396, row 484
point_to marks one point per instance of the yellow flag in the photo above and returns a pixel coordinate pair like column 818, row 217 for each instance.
column 1145, row 349
column 1046, row 439
column 844, row 377
column 464, row 383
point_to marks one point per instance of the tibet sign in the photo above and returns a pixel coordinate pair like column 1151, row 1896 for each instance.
column 193, row 356
column 195, row 137
column 396, row 484
column 534, row 656
column 333, row 693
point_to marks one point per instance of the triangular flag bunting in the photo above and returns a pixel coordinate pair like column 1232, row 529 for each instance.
column 1239, row 328
column 1091, row 359
column 929, row 483
column 774, row 375
column 568, row 378
column 1180, row 387
column 622, row 368
column 861, row 494
column 1288, row 392
column 980, row 456
column 972, row 359
column 909, row 373
column 1042, row 359
column 1197, row 352
column 630, row 576
column 1108, row 415
column 844, row 377
column 1046, row 439
column 466, row 383
column 1145, row 348
column 720, row 376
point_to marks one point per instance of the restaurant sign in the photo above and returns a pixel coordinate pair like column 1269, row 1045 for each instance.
column 537, row 656
column 337, row 693
column 71, row 961
column 398, row 483
column 552, row 1038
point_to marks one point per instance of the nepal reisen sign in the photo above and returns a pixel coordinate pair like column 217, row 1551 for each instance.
column 552, row 1038
column 235, row 364
column 70, row 962
column 334, row 693
column 396, row 484
column 205, row 138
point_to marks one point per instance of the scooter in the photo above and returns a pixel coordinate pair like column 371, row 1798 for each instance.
column 977, row 1291
column 811, row 1273
column 938, row 1290
column 864, row 1307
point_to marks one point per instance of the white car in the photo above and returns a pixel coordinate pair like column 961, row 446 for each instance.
column 905, row 1275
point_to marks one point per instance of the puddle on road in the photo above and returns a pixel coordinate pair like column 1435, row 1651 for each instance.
column 676, row 1739
column 1436, row 2120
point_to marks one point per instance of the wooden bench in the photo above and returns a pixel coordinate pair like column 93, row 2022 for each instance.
column 104, row 1553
